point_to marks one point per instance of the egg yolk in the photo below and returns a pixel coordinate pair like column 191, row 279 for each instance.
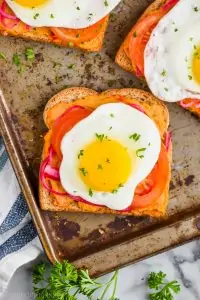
column 104, row 165
column 31, row 3
column 196, row 64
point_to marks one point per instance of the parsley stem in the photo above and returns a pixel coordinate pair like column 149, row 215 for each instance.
column 109, row 284
column 115, row 284
column 77, row 291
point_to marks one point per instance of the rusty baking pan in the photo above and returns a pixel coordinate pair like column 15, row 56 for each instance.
column 98, row 242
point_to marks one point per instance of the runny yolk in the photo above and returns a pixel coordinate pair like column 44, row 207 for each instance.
column 31, row 3
column 196, row 64
column 104, row 165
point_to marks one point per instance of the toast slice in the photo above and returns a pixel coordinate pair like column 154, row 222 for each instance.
column 123, row 60
column 156, row 110
column 44, row 35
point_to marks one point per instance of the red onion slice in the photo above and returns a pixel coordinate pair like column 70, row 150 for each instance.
column 186, row 105
column 138, row 107
column 52, row 173
column 169, row 4
column 4, row 16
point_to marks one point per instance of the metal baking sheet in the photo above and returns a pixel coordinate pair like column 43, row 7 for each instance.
column 98, row 242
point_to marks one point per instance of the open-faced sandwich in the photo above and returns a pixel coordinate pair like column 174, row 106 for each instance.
column 106, row 152
column 77, row 23
column 164, row 47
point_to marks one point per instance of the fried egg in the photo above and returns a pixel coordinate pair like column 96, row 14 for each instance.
column 172, row 55
column 106, row 155
column 61, row 13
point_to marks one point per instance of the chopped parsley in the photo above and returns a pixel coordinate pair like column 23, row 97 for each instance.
column 175, row 29
column 90, row 16
column 166, row 89
column 29, row 54
column 36, row 16
column 110, row 128
column 17, row 62
column 99, row 167
column 195, row 9
column 78, row 8
column 135, row 136
column 108, row 160
column 90, row 192
column 112, row 115
column 101, row 137
column 135, row 34
column 164, row 72
column 139, row 152
column 114, row 191
column 2, row 56
column 106, row 3
column 83, row 171
column 189, row 77
column 52, row 16
column 81, row 152
column 71, row 66
column 70, row 44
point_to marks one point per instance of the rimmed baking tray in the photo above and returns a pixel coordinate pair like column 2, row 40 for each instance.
column 98, row 242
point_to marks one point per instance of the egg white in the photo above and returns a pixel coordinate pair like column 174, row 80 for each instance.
column 168, row 54
column 126, row 121
column 67, row 14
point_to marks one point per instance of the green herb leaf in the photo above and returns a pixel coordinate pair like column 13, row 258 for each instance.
column 83, row 171
column 17, row 62
column 164, row 73
column 38, row 272
column 81, row 152
column 135, row 34
column 139, row 152
column 134, row 136
column 64, row 282
column 2, row 56
column 29, row 54
column 99, row 167
column 90, row 192
column 157, row 281
column 101, row 137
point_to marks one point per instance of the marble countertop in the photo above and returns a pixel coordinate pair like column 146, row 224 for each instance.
column 182, row 264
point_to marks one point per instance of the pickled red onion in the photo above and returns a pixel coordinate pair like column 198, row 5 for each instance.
column 138, row 107
column 186, row 105
column 52, row 173
column 169, row 4
column 4, row 15
column 43, row 178
column 194, row 103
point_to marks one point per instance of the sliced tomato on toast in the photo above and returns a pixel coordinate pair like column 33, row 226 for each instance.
column 140, row 35
column 64, row 123
column 78, row 36
column 154, row 184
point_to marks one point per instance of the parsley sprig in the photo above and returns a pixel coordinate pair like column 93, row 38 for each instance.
column 166, row 289
column 64, row 281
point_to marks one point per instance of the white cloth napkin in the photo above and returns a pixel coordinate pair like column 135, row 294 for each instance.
column 19, row 243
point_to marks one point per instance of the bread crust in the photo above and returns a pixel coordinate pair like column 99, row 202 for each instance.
column 44, row 35
column 123, row 60
column 150, row 104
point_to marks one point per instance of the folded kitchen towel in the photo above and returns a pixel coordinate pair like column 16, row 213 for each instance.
column 19, row 243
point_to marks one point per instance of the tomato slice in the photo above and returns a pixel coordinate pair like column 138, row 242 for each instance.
column 140, row 38
column 153, row 186
column 78, row 36
column 141, row 33
column 64, row 123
